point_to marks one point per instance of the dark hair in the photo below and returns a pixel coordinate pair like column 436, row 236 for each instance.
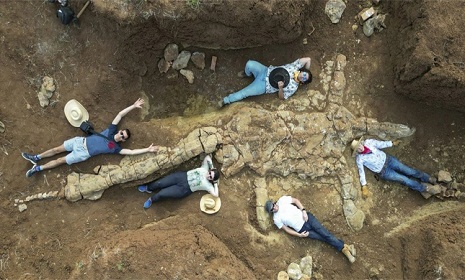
column 310, row 76
column 269, row 206
column 128, row 133
column 216, row 176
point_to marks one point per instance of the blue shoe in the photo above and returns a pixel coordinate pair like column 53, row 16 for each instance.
column 148, row 203
column 31, row 171
column 143, row 188
column 30, row 158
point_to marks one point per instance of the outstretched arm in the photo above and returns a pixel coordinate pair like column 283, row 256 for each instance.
column 150, row 149
column 306, row 61
column 137, row 104
column 291, row 231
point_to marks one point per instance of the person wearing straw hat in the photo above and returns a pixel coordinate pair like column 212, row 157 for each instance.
column 282, row 79
column 368, row 153
column 290, row 215
column 181, row 183
column 81, row 148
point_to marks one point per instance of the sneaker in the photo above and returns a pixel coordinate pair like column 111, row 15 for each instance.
column 148, row 203
column 143, row 188
column 30, row 158
column 432, row 180
column 352, row 250
column 31, row 171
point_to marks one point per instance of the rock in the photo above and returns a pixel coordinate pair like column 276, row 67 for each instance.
column 16, row 200
column 369, row 27
column 22, row 207
column 282, row 275
column 306, row 265
column 444, row 176
column 294, row 272
column 171, row 52
column 213, row 63
column 188, row 74
column 182, row 60
column 366, row 13
column 334, row 10
column 46, row 91
column 163, row 65
column 2, row 127
column 198, row 59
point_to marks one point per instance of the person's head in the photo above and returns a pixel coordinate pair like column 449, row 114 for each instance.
column 305, row 76
column 357, row 146
column 213, row 175
column 271, row 207
column 122, row 135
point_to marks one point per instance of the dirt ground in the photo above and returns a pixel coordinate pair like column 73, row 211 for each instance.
column 107, row 66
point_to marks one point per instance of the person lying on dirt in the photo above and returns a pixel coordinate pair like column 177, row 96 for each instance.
column 368, row 153
column 282, row 79
column 181, row 183
column 290, row 215
column 82, row 148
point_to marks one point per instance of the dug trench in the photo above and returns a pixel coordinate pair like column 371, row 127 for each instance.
column 107, row 63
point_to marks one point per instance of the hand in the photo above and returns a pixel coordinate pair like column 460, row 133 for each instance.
column 280, row 84
column 304, row 215
column 396, row 142
column 365, row 192
column 304, row 234
column 139, row 103
column 153, row 148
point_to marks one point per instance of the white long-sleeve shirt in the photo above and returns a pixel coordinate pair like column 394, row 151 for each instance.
column 374, row 160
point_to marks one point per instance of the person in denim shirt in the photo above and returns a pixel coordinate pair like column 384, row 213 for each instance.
column 82, row 148
column 290, row 215
column 298, row 72
column 368, row 154
column 183, row 183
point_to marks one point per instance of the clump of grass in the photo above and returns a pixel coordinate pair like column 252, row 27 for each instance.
column 194, row 4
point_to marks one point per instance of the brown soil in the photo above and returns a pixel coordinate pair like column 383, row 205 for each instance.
column 107, row 65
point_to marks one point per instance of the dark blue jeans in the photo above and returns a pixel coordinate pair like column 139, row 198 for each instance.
column 398, row 172
column 319, row 232
column 174, row 185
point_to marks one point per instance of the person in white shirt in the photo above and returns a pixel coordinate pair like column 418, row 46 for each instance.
column 368, row 154
column 290, row 215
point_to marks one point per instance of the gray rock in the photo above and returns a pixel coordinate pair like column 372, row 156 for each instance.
column 294, row 272
column 182, row 60
column 22, row 207
column 306, row 265
column 334, row 10
column 198, row 58
column 188, row 74
column 163, row 65
column 369, row 27
column 171, row 52
column 444, row 176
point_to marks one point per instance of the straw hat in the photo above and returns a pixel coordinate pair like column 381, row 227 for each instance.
column 355, row 144
column 210, row 204
column 75, row 113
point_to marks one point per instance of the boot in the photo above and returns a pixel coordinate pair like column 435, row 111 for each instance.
column 432, row 180
column 346, row 252
column 352, row 250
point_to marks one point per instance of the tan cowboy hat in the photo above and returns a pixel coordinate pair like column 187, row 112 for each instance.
column 355, row 144
column 210, row 204
column 75, row 113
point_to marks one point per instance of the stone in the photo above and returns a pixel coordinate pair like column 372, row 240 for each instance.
column 188, row 74
column 306, row 265
column 444, row 176
column 182, row 60
column 171, row 52
column 163, row 65
column 334, row 10
column 282, row 275
column 366, row 13
column 46, row 91
column 294, row 272
column 22, row 207
column 213, row 63
column 198, row 58
column 2, row 127
column 369, row 27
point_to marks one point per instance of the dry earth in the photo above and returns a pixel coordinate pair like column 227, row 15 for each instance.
column 107, row 64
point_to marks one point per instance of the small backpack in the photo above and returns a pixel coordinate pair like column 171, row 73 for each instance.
column 65, row 14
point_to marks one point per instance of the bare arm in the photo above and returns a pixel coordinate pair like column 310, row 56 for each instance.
column 216, row 191
column 306, row 61
column 150, row 149
column 281, row 92
column 137, row 104
column 291, row 231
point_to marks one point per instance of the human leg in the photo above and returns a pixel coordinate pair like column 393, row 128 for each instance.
column 410, row 172
column 392, row 173
column 174, row 191
column 179, row 177
column 257, row 87
column 317, row 231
